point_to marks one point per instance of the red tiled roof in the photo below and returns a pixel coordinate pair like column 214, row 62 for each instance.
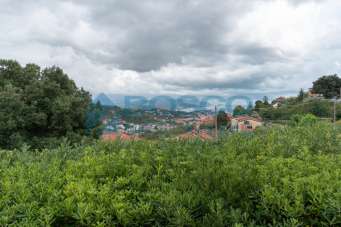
column 206, row 120
column 202, row 135
column 205, row 136
column 246, row 118
column 112, row 136
column 109, row 136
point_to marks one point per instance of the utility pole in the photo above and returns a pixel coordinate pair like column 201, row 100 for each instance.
column 334, row 117
column 335, row 101
column 216, row 122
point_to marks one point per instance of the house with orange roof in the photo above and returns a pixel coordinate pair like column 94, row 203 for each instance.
column 312, row 94
column 245, row 123
column 109, row 136
column 206, row 120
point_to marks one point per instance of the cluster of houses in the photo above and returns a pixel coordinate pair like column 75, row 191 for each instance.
column 116, row 124
column 238, row 124
column 119, row 129
column 116, row 128
column 242, row 123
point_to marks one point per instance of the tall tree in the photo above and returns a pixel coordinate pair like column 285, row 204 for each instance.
column 300, row 96
column 93, row 121
column 249, row 108
column 39, row 104
column 239, row 110
column 266, row 101
column 258, row 105
column 329, row 86
column 223, row 121
column 12, row 116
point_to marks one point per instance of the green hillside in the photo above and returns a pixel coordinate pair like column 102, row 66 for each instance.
column 321, row 108
column 286, row 176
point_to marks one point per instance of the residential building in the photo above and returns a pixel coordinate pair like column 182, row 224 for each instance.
column 312, row 94
column 245, row 123
column 278, row 102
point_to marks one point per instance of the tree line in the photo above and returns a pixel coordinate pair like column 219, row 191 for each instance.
column 325, row 88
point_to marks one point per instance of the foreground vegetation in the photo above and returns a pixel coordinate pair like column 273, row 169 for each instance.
column 287, row 176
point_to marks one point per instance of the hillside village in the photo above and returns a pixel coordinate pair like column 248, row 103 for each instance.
column 137, row 124
column 190, row 125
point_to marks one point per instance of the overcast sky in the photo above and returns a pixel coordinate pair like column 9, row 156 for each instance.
column 177, row 46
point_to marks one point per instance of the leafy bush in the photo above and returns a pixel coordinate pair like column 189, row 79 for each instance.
column 287, row 176
column 303, row 120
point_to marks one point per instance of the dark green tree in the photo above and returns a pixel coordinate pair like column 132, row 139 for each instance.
column 258, row 105
column 12, row 119
column 239, row 110
column 320, row 109
column 36, row 104
column 328, row 86
column 266, row 101
column 249, row 108
column 222, row 119
column 300, row 96
column 93, row 123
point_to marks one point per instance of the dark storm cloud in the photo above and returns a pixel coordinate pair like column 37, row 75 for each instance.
column 253, row 81
column 149, row 35
column 157, row 33
column 256, row 54
column 256, row 78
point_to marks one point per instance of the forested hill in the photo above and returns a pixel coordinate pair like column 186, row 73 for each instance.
column 319, row 101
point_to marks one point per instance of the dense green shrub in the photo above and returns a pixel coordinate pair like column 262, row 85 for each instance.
column 288, row 176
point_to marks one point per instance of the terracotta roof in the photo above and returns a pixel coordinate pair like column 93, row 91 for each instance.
column 206, row 120
column 109, row 136
column 247, row 118
column 202, row 135
column 112, row 136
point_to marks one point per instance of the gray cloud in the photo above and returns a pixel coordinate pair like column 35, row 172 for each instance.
column 153, row 34
column 176, row 46
column 157, row 33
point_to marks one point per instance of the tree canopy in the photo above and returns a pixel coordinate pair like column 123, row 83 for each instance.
column 301, row 95
column 37, row 104
column 239, row 110
column 329, row 86
column 222, row 120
